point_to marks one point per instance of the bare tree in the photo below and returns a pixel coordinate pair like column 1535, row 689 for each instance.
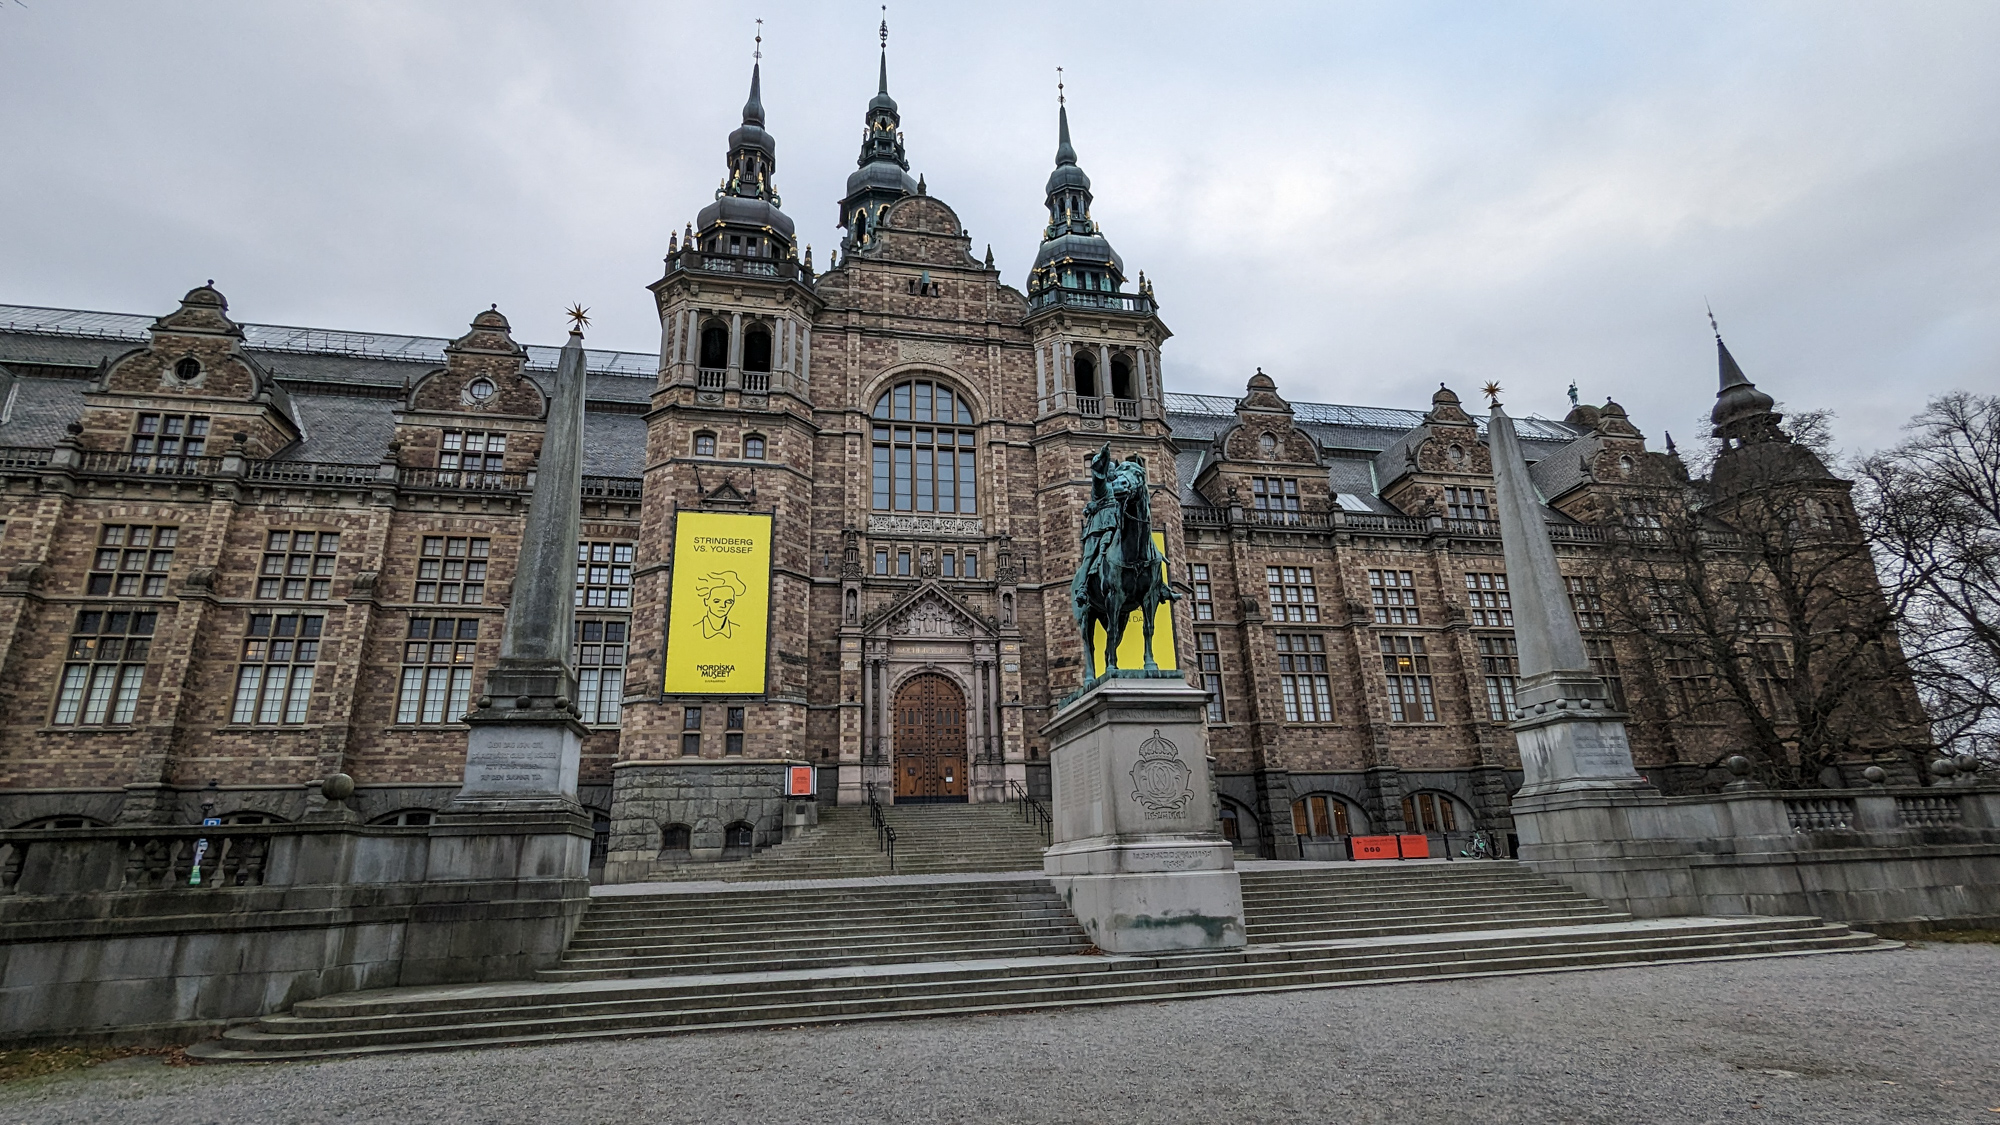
column 1931, row 507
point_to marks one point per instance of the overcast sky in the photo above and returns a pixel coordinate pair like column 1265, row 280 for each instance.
column 1362, row 199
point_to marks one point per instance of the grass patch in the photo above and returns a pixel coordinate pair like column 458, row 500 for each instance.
column 18, row 1065
column 1963, row 937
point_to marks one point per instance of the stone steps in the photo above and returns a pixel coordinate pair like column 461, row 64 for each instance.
column 470, row 1016
column 931, row 839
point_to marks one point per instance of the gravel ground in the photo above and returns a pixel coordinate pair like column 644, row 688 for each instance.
column 1908, row 1036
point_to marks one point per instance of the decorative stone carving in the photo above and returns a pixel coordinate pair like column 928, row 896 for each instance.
column 924, row 351
column 926, row 525
column 929, row 618
column 1160, row 778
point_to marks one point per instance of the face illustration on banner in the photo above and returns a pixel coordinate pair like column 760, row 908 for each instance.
column 718, row 591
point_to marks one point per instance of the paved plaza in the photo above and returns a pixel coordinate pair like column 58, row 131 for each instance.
column 1905, row 1036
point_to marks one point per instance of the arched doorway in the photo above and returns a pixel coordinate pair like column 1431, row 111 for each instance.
column 930, row 741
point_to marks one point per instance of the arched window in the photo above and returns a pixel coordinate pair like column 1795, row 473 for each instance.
column 737, row 840
column 1121, row 378
column 704, row 445
column 252, row 817
column 1322, row 817
column 1232, row 824
column 1429, row 811
column 753, row 447
column 923, row 461
column 1086, row 376
column 714, row 345
column 676, row 842
column 61, row 821
column 757, row 349
column 406, row 818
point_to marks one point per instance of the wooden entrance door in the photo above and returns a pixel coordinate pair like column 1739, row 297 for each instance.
column 930, row 741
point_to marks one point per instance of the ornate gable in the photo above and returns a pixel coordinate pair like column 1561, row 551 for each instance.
column 929, row 611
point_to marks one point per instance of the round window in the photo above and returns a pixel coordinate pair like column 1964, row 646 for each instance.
column 1457, row 453
column 1267, row 443
column 479, row 390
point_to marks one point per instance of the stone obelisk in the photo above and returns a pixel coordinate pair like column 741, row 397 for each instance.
column 526, row 741
column 1571, row 738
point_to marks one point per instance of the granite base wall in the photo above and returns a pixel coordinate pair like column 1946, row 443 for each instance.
column 707, row 795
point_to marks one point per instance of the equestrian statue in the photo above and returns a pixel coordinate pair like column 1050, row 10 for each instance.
column 1121, row 570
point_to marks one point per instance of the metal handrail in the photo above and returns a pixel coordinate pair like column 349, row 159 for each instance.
column 1033, row 812
column 885, row 833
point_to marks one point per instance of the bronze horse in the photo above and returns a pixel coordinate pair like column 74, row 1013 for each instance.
column 1121, row 570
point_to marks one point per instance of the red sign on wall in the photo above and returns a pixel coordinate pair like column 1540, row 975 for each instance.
column 1414, row 847
column 799, row 781
column 1372, row 847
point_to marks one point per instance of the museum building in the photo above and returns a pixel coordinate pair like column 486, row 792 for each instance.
column 239, row 558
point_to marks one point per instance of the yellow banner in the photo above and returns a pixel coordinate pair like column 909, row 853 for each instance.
column 1132, row 646
column 720, row 615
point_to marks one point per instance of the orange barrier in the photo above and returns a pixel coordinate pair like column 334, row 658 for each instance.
column 1414, row 847
column 1372, row 847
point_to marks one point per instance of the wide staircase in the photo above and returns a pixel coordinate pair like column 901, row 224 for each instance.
column 699, row 959
column 930, row 839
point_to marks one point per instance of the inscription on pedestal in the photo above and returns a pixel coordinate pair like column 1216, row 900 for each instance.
column 515, row 762
column 1601, row 748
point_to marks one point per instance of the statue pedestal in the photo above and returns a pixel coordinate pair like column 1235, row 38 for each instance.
column 1138, row 854
column 1570, row 739
column 525, row 747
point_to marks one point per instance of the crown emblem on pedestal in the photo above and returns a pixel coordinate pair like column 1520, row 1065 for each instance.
column 1160, row 778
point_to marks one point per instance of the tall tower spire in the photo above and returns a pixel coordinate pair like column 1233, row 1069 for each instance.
column 1074, row 254
column 1743, row 414
column 745, row 217
column 882, row 172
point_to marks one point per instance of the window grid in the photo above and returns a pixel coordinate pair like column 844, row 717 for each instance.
column 1500, row 663
column 160, row 441
column 465, row 455
column 1490, row 604
column 1394, row 596
column 1204, row 592
column 437, row 669
column 1276, row 494
column 1467, row 504
column 604, row 575
column 1293, row 595
column 106, row 667
column 1408, row 665
column 1583, row 597
column 1209, row 658
column 275, row 680
column 131, row 561
column 452, row 570
column 298, row 564
column 599, row 655
column 919, row 467
column 1319, row 817
column 1302, row 679
column 1430, row 812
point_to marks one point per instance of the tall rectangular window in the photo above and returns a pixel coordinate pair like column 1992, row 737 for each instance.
column 1293, row 595
column 881, row 560
column 1204, row 592
column 298, row 564
column 1500, row 663
column 604, row 575
column 275, row 681
column 131, row 561
column 1394, row 594
column 923, row 469
column 1604, row 662
column 452, row 570
column 1583, row 597
column 1487, row 599
column 437, row 669
column 1209, row 657
column 1302, row 679
column 163, row 443
column 599, row 654
column 106, row 667
column 1408, row 667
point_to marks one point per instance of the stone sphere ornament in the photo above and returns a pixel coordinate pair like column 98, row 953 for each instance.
column 1943, row 767
column 1875, row 775
column 1737, row 764
column 1966, row 763
column 522, row 702
column 337, row 788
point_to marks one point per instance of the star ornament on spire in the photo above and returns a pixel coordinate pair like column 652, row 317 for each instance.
column 1492, row 393
column 579, row 317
